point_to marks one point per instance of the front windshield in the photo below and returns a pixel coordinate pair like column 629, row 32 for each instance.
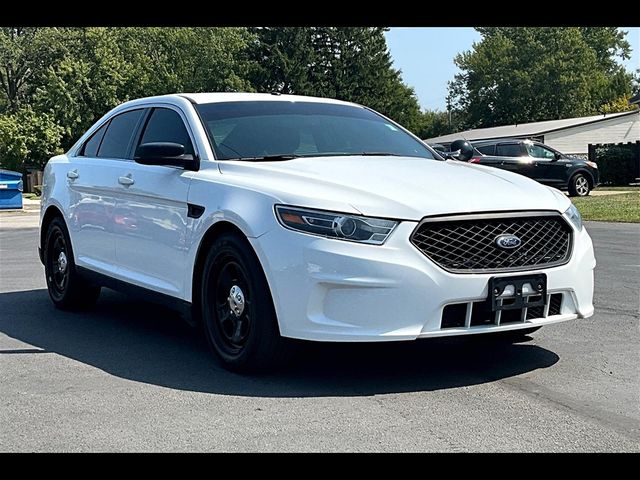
column 249, row 130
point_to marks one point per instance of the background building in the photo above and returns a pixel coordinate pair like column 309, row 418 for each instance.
column 569, row 135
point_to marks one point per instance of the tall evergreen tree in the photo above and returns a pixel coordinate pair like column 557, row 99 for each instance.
column 348, row 63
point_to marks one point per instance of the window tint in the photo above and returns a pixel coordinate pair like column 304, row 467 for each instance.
column 487, row 149
column 538, row 151
column 261, row 128
column 116, row 141
column 90, row 147
column 509, row 150
column 166, row 125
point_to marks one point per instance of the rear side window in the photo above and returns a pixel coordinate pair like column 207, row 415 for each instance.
column 117, row 139
column 487, row 149
column 509, row 150
column 90, row 148
column 166, row 125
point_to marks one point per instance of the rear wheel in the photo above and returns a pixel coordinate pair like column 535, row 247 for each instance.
column 66, row 289
column 579, row 185
column 237, row 311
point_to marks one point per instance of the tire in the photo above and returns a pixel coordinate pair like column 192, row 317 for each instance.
column 237, row 312
column 68, row 291
column 579, row 185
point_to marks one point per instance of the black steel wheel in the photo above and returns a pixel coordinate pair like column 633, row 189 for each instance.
column 232, row 304
column 66, row 289
column 237, row 311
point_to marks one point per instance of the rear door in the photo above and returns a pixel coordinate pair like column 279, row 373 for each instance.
column 514, row 158
column 151, row 211
column 92, row 180
column 547, row 168
column 488, row 151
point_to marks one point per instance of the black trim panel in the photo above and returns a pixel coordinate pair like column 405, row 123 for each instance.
column 177, row 304
column 194, row 211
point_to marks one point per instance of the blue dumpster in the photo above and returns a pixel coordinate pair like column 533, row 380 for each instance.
column 10, row 189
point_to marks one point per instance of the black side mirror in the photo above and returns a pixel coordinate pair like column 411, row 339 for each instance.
column 461, row 150
column 165, row 153
column 557, row 156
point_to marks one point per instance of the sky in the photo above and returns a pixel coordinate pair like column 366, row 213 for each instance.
column 425, row 56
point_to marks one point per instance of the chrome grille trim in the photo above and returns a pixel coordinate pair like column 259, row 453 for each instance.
column 465, row 243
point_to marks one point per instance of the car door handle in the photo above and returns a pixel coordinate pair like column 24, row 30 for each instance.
column 126, row 180
column 72, row 174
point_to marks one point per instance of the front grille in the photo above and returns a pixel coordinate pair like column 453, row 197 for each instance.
column 467, row 244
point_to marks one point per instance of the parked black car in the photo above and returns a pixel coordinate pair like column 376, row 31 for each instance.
column 540, row 162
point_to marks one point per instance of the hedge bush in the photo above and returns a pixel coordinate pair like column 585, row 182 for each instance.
column 616, row 164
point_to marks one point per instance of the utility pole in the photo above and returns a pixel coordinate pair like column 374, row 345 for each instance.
column 449, row 109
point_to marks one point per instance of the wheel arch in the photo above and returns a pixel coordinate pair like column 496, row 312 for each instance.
column 50, row 213
column 212, row 233
column 586, row 173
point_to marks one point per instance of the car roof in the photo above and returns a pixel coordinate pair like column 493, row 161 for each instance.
column 216, row 97
column 500, row 140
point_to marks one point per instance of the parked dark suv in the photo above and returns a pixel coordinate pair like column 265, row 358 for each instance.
column 540, row 162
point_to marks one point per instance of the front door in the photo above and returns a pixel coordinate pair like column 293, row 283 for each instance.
column 151, row 211
column 548, row 169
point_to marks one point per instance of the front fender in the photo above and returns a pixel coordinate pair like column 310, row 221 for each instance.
column 249, row 210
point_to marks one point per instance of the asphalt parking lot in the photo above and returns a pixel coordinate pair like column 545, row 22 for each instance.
column 129, row 376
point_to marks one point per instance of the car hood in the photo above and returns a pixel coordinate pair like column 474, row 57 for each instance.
column 393, row 187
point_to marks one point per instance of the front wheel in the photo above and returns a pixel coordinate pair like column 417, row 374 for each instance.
column 238, row 315
column 579, row 186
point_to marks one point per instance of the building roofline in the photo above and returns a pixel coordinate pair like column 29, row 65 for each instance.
column 604, row 117
column 536, row 132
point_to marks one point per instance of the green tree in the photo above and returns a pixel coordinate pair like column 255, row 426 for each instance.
column 620, row 104
column 348, row 63
column 433, row 124
column 103, row 67
column 25, row 53
column 517, row 74
column 28, row 138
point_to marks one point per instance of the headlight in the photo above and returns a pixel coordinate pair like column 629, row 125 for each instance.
column 574, row 216
column 591, row 164
column 341, row 226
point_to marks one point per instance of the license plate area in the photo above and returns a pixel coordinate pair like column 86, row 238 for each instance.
column 518, row 292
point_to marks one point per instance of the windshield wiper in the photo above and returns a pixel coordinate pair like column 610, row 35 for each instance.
column 291, row 156
column 378, row 154
column 267, row 158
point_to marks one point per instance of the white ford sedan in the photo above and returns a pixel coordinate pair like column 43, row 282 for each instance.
column 270, row 217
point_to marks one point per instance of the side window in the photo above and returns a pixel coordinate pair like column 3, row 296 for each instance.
column 116, row 141
column 166, row 125
column 538, row 151
column 90, row 147
column 509, row 150
column 487, row 149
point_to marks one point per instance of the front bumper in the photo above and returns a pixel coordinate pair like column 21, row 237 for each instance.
column 333, row 290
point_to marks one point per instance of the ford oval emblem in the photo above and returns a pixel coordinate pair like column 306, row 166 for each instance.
column 508, row 241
